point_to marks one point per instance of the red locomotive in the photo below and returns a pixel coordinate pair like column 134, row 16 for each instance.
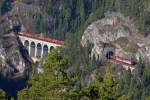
column 124, row 60
column 110, row 55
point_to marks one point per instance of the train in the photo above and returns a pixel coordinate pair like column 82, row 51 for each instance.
column 123, row 60
column 111, row 56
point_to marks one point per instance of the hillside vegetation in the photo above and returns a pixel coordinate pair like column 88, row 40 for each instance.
column 73, row 15
column 72, row 72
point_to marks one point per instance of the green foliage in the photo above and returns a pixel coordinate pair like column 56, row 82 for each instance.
column 135, row 86
column 148, row 98
column 136, row 10
column 54, row 61
column 1, row 3
column 107, row 87
column 69, row 18
column 89, row 92
column 72, row 15
column 52, row 84
column 101, row 88
column 123, row 97
column 2, row 94
column 25, row 1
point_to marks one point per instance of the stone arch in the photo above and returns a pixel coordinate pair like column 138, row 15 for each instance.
column 32, row 49
column 45, row 50
column 26, row 44
column 39, row 50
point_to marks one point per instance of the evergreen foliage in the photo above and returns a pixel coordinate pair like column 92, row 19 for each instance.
column 2, row 95
column 51, row 84
column 70, row 18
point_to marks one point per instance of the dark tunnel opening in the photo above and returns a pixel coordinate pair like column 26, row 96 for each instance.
column 109, row 54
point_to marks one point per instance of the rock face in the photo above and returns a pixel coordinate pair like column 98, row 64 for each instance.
column 15, row 62
column 28, row 15
column 118, row 34
column 14, row 56
column 15, row 65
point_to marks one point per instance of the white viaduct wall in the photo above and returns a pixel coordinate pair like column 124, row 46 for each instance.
column 36, row 42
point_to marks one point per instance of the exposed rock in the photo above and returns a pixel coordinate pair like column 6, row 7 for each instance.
column 14, row 56
column 28, row 15
column 119, row 32
column 15, row 64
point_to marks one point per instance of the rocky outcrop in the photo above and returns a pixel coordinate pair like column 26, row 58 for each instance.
column 15, row 64
column 29, row 16
column 119, row 32
column 14, row 57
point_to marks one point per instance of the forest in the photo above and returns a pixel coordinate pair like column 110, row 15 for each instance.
column 66, row 68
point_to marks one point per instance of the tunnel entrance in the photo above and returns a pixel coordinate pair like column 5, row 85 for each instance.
column 109, row 54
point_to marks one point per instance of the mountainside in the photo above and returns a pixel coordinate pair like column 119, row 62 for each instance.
column 15, row 65
column 29, row 17
column 106, row 54
column 120, row 33
column 58, row 17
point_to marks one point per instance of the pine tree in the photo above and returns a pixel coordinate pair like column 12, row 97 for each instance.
column 107, row 87
column 51, row 84
column 2, row 94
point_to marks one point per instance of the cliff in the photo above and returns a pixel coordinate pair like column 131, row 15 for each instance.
column 15, row 65
column 119, row 32
column 29, row 16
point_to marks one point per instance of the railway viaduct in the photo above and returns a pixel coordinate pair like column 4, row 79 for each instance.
column 38, row 45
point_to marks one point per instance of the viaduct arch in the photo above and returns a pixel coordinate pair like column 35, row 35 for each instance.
column 38, row 45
